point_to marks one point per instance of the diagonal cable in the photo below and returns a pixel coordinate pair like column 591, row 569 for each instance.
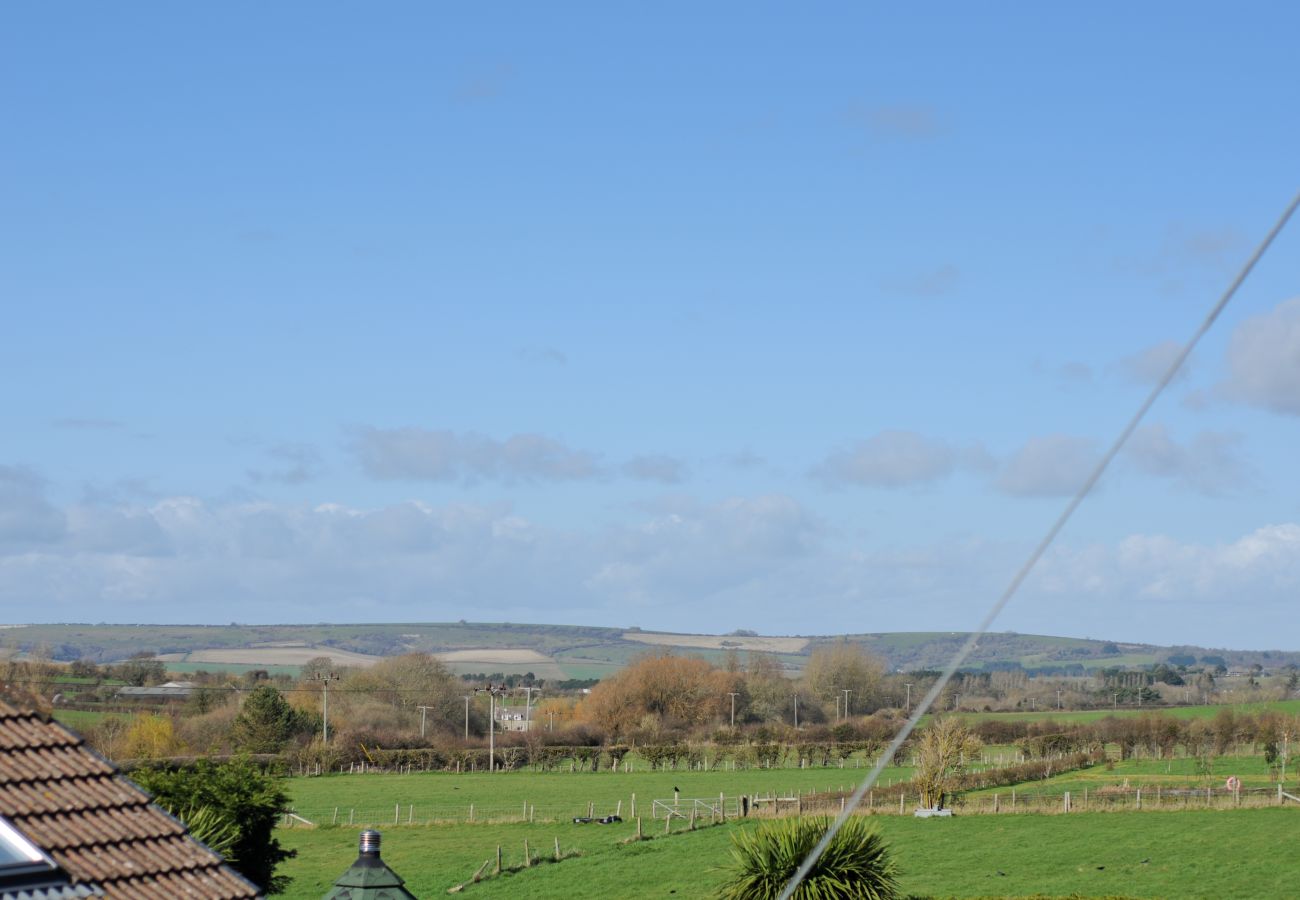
column 1023, row 572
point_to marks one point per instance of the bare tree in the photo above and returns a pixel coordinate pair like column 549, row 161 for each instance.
column 942, row 752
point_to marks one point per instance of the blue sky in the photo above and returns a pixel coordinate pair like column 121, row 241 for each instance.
column 695, row 319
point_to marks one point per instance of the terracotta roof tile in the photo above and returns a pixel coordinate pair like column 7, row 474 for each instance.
column 99, row 827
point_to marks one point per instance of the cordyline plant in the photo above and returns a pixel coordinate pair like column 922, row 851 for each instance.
column 857, row 864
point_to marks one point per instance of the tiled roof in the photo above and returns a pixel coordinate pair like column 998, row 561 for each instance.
column 100, row 828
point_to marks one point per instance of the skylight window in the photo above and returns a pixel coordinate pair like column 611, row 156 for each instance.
column 20, row 859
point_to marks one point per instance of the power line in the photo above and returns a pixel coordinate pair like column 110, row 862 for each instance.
column 1018, row 579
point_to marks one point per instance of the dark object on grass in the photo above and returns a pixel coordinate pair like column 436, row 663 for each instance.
column 583, row 820
column 609, row 820
column 857, row 864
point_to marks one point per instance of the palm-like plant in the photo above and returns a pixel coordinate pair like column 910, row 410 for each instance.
column 213, row 829
column 856, row 865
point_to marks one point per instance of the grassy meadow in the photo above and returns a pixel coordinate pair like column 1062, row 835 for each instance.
column 423, row 796
column 1186, row 854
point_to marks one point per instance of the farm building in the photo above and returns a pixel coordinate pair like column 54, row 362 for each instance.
column 171, row 690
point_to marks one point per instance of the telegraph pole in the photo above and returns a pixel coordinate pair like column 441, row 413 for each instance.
column 908, row 707
column 492, row 691
column 325, row 678
column 796, row 712
column 733, row 695
column 423, row 712
column 466, row 699
column 528, row 707
column 846, row 703
column 1058, row 699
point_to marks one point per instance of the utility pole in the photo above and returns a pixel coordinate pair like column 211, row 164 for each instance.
column 492, row 691
column 423, row 711
column 796, row 712
column 551, row 725
column 908, row 707
column 846, row 702
column 325, row 678
column 1115, row 698
column 466, row 699
column 733, row 695
column 1058, row 699
column 528, row 707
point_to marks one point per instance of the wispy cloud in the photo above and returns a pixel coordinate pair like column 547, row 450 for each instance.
column 418, row 454
column 1264, row 360
column 894, row 459
column 933, row 283
column 547, row 356
column 89, row 424
column 488, row 84
column 296, row 464
column 898, row 121
column 1149, row 365
column 658, row 467
column 26, row 515
column 1210, row 464
column 1053, row 465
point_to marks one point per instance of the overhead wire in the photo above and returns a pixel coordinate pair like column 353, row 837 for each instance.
column 964, row 651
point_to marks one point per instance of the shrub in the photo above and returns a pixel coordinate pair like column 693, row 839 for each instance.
column 238, row 795
column 856, row 864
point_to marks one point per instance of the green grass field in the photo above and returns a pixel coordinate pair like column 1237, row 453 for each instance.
column 1193, row 854
column 424, row 796
column 81, row 720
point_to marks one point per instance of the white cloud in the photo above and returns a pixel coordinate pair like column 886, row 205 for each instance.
column 1148, row 366
column 418, row 454
column 889, row 459
column 761, row 561
column 1054, row 465
column 1210, row 464
column 26, row 516
column 660, row 468
column 1264, row 360
column 1244, row 576
column 297, row 464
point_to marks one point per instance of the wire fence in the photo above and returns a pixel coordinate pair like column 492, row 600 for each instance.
column 794, row 803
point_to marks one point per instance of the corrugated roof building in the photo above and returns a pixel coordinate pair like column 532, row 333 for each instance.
column 94, row 825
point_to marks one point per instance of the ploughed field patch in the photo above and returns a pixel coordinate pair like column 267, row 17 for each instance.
column 719, row 641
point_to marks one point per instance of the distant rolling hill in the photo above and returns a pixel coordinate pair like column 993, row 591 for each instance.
column 566, row 651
